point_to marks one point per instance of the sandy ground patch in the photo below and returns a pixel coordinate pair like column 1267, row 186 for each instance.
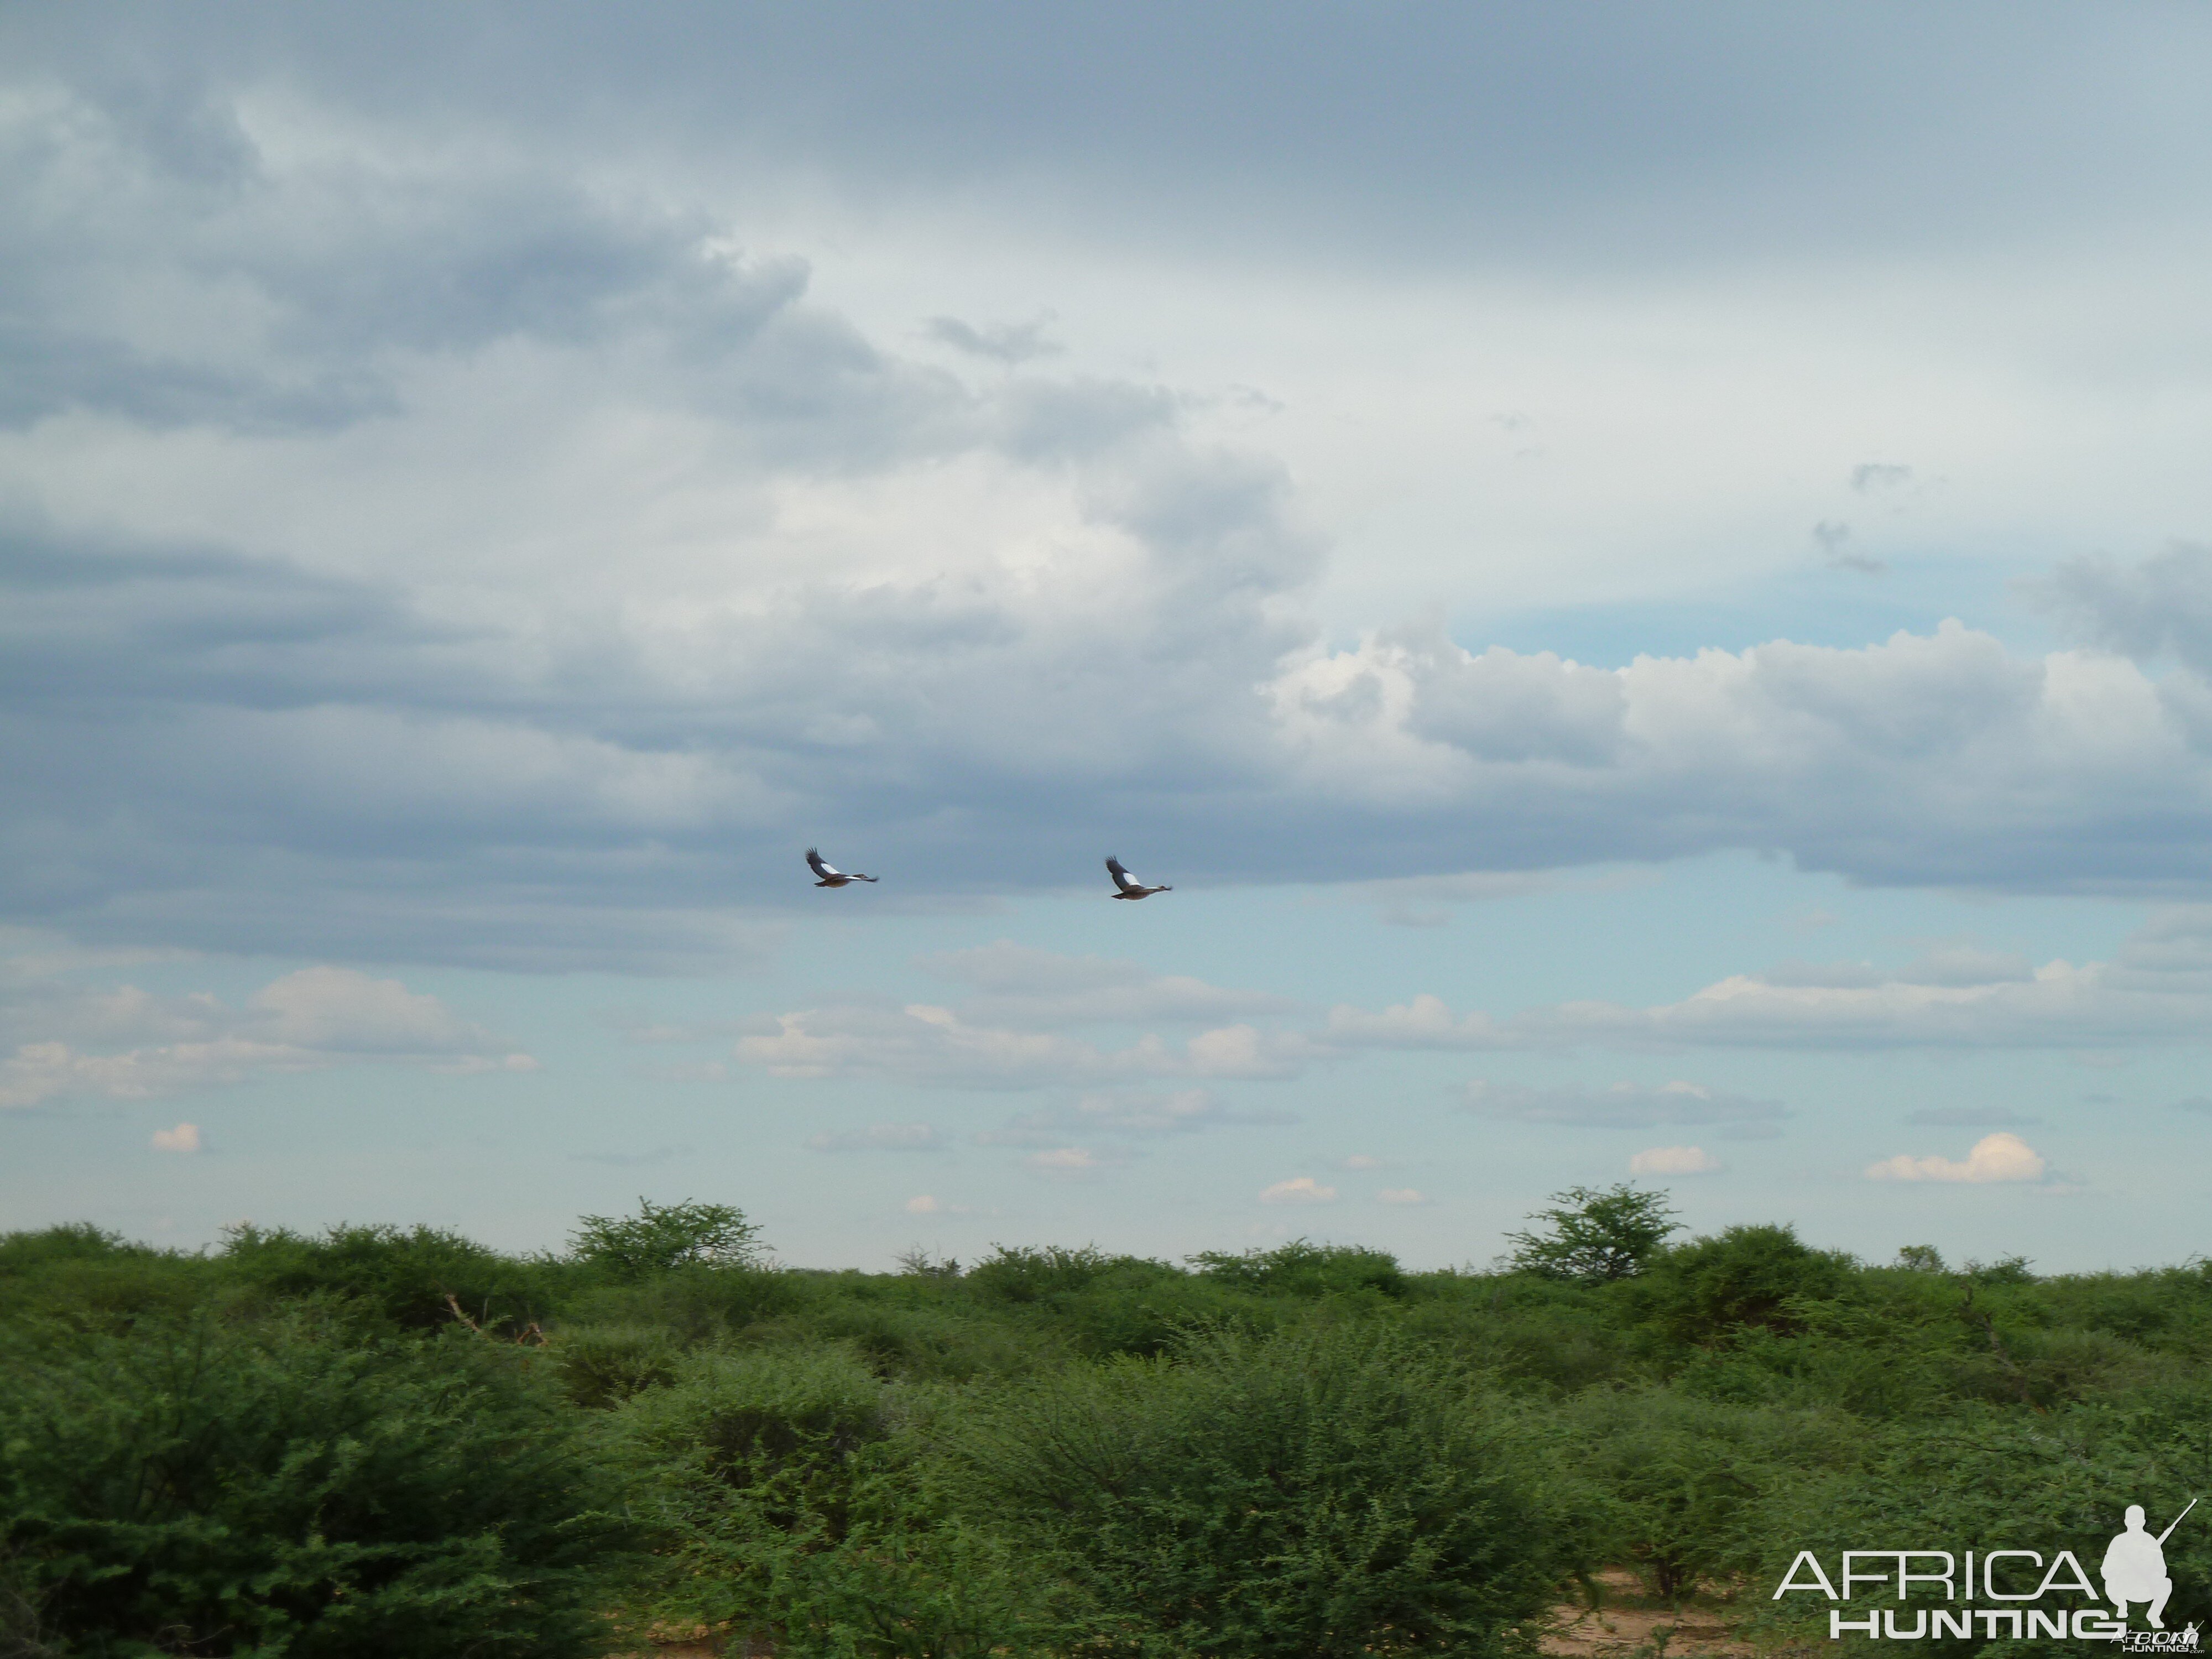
column 1628, row 1622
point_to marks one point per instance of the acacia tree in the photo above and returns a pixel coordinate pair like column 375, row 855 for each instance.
column 663, row 1236
column 1596, row 1237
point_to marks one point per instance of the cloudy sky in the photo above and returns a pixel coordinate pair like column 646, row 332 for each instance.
column 1645, row 573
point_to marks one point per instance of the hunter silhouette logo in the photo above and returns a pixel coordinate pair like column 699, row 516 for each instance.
column 2133, row 1570
column 2135, row 1566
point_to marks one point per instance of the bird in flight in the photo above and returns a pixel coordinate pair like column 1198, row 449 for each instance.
column 831, row 874
column 1129, row 887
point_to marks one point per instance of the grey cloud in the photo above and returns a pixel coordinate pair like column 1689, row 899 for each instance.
column 2160, row 607
column 1972, row 1117
column 1849, row 759
column 1041, row 419
column 510, row 573
column 117, row 1042
column 1870, row 477
column 638, row 1026
column 49, row 369
column 289, row 715
column 1424, row 901
column 1006, row 343
column 111, row 625
column 934, row 1047
column 1622, row 1106
column 879, row 1138
column 2172, row 950
column 233, row 754
column 1611, row 128
column 1957, row 964
column 2156, row 990
column 1831, row 976
column 1019, row 985
column 631, row 1160
column 1129, row 1113
column 275, row 295
column 1834, row 538
column 1966, row 964
column 1077, row 1162
column 1501, row 706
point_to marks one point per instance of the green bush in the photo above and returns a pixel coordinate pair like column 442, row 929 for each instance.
column 799, row 1505
column 79, row 1275
column 415, row 1278
column 1529, row 1330
column 1595, row 1237
column 1321, row 1492
column 1303, row 1268
column 916, row 1340
column 292, row 1445
column 267, row 1491
column 602, row 1365
column 1985, row 1477
column 1681, row 1481
column 661, row 1238
column 1112, row 1305
column 1712, row 1288
column 1029, row 1275
column 693, row 1304
column 787, row 1420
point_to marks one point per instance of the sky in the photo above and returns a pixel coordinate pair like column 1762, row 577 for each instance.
column 1644, row 573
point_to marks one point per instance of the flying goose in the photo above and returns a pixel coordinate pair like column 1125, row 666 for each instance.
column 831, row 874
column 1130, row 887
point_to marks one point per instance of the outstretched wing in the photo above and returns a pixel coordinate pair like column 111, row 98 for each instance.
column 1123, row 878
column 814, row 862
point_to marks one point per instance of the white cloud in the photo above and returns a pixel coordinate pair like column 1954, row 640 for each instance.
column 125, row 1044
column 1299, row 1189
column 340, row 1011
column 2157, row 990
column 1363, row 1161
column 388, row 403
column 1075, row 1163
column 1426, row 901
column 1863, row 761
column 1620, row 1106
column 1673, row 1161
column 880, row 1137
column 1426, row 1022
column 1406, row 1195
column 41, row 1070
column 917, row 1043
column 185, row 1138
column 1128, row 1112
column 923, row 1204
column 1998, row 1158
column 1244, row 1051
column 922, row 1043
column 1018, row 985
column 2160, row 607
column 1970, row 1117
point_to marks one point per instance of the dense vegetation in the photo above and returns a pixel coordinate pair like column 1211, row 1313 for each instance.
column 378, row 1441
